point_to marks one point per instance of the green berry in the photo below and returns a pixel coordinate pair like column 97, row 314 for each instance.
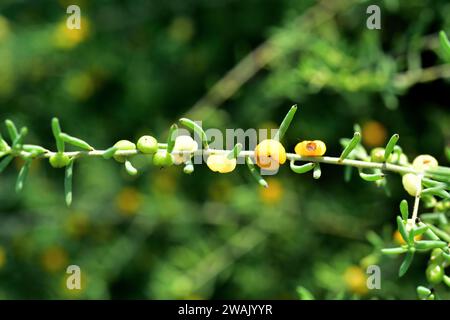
column 377, row 155
column 434, row 273
column 123, row 145
column 147, row 144
column 162, row 159
column 59, row 160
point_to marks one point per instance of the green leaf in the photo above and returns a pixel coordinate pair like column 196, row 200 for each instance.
column 303, row 168
column 172, row 137
column 423, row 292
column 350, row 146
column 402, row 230
column 12, row 130
column 419, row 230
column 429, row 244
column 56, row 128
column 233, row 154
column 23, row 173
column 440, row 233
column 371, row 176
column 447, row 153
column 132, row 171
column 75, row 141
column 3, row 144
column 436, row 191
column 19, row 139
column 34, row 149
column 404, row 210
column 68, row 182
column 304, row 294
column 392, row 251
column 406, row 263
column 390, row 146
column 109, row 153
column 255, row 173
column 317, row 172
column 446, row 280
column 285, row 123
column 197, row 129
column 5, row 162
column 431, row 235
column 445, row 45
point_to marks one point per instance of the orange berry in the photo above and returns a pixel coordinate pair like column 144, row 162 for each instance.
column 310, row 148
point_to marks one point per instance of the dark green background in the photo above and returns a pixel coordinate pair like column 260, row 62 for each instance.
column 141, row 66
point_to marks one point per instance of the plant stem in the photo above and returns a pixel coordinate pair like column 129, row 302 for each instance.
column 290, row 156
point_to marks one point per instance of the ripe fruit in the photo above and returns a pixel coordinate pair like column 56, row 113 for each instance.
column 123, row 145
column 307, row 148
column 220, row 163
column 269, row 154
column 412, row 184
column 424, row 162
column 147, row 144
column 59, row 160
column 184, row 146
column 434, row 273
column 162, row 159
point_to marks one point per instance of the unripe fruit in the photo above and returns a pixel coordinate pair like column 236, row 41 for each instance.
column 434, row 273
column 307, row 148
column 270, row 154
column 162, row 159
column 412, row 184
column 424, row 162
column 377, row 155
column 147, row 144
column 123, row 145
column 59, row 160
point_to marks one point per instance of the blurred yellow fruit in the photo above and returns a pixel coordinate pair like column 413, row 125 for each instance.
column 425, row 162
column 129, row 201
column 374, row 134
column 269, row 154
column 4, row 29
column 54, row 259
column 77, row 224
column 310, row 148
column 2, row 257
column 356, row 280
column 181, row 29
column 273, row 193
column 399, row 240
column 66, row 38
column 80, row 86
column 220, row 163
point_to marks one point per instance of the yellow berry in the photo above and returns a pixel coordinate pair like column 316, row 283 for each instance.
column 412, row 184
column 269, row 154
column 424, row 162
column 220, row 163
column 310, row 148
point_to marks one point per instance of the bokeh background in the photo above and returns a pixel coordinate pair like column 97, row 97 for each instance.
column 136, row 66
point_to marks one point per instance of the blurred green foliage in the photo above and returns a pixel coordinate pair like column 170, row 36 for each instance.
column 135, row 67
